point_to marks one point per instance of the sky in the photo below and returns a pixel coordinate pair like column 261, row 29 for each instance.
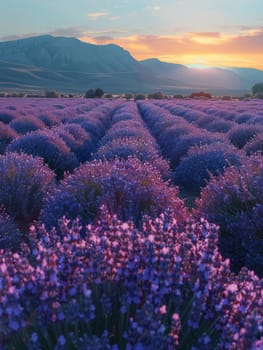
column 191, row 32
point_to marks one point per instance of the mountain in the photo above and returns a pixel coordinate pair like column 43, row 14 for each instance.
column 67, row 64
column 250, row 75
column 70, row 65
column 163, row 67
column 59, row 53
column 206, row 78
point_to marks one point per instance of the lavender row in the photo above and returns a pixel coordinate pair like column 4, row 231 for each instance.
column 20, row 116
column 194, row 154
column 126, row 174
column 129, row 137
column 237, row 111
column 65, row 146
column 232, row 200
column 58, row 111
column 33, row 164
column 243, row 130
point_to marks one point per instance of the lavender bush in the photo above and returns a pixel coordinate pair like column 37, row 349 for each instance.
column 244, row 118
column 254, row 145
column 234, row 201
column 7, row 135
column 24, row 182
column 49, row 119
column 220, row 125
column 91, row 125
column 201, row 162
column 51, row 148
column 170, row 136
column 120, row 116
column 187, row 141
column 204, row 120
column 128, row 130
column 84, row 142
column 7, row 116
column 126, row 147
column 25, row 124
column 66, row 136
column 194, row 115
column 242, row 134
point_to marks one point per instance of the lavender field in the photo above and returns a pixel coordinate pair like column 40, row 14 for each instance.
column 131, row 225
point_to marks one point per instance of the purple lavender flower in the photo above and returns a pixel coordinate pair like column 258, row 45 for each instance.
column 24, row 182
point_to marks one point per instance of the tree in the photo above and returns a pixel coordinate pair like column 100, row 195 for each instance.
column 99, row 92
column 139, row 97
column 90, row 93
column 156, row 95
column 257, row 88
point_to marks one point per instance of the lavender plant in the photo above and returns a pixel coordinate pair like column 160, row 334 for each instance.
column 7, row 116
column 51, row 148
column 244, row 118
column 204, row 121
column 49, row 119
column 187, row 141
column 200, row 163
column 24, row 181
column 67, row 137
column 25, row 124
column 220, row 125
column 7, row 135
column 84, row 145
column 128, row 130
column 193, row 115
column 242, row 134
column 254, row 145
column 234, row 201
column 126, row 147
column 91, row 125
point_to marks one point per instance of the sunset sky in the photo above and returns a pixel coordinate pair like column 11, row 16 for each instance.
column 192, row 32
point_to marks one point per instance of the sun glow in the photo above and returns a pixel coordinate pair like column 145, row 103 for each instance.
column 241, row 49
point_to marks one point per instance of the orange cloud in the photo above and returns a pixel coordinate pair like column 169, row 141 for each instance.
column 212, row 48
